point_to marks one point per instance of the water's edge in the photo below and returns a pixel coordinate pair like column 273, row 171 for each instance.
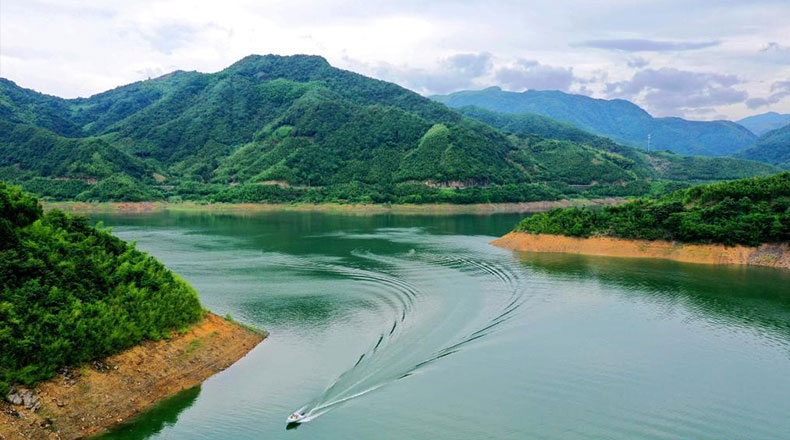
column 97, row 397
column 769, row 255
column 335, row 208
column 359, row 306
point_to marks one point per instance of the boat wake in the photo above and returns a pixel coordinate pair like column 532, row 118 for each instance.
column 422, row 327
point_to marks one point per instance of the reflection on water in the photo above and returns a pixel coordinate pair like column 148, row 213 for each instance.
column 744, row 297
column 154, row 420
column 528, row 346
column 306, row 310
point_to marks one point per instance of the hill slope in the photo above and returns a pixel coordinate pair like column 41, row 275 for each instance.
column 750, row 211
column 656, row 165
column 63, row 168
column 620, row 120
column 72, row 293
column 275, row 128
column 772, row 147
column 528, row 123
column 765, row 122
column 294, row 120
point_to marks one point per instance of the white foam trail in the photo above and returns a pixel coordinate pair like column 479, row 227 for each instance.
column 405, row 347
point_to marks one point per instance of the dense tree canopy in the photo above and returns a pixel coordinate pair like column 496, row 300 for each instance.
column 655, row 165
column 772, row 147
column 70, row 292
column 748, row 211
column 617, row 119
column 310, row 132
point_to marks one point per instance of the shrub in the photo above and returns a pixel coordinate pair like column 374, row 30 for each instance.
column 71, row 293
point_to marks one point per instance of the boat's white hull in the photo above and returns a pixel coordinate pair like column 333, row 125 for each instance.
column 292, row 419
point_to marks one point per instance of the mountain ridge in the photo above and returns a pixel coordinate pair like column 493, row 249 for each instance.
column 285, row 128
column 661, row 164
column 765, row 122
column 619, row 119
column 772, row 147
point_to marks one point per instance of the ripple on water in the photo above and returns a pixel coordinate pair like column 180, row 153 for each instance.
column 578, row 347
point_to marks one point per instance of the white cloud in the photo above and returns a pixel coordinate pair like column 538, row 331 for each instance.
column 530, row 74
column 645, row 45
column 637, row 62
column 70, row 48
column 780, row 90
column 669, row 91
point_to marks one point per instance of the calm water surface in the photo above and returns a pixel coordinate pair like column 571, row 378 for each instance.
column 395, row 327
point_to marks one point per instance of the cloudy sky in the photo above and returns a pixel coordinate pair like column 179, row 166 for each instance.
column 700, row 59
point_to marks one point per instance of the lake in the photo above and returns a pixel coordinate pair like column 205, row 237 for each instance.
column 396, row 327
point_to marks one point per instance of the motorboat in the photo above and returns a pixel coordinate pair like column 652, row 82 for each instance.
column 296, row 417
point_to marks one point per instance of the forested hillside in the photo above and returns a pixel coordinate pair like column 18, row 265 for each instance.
column 655, row 164
column 70, row 293
column 772, row 147
column 528, row 124
column 765, row 122
column 617, row 119
column 749, row 211
column 280, row 129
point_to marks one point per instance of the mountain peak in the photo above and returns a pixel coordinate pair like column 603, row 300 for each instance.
column 293, row 67
column 765, row 122
column 259, row 61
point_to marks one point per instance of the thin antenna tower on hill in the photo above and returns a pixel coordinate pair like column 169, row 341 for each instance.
column 649, row 135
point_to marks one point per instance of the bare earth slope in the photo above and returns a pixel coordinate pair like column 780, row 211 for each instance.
column 772, row 255
column 79, row 403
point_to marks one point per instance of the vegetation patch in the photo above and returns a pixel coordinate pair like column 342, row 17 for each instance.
column 749, row 211
column 72, row 293
column 323, row 135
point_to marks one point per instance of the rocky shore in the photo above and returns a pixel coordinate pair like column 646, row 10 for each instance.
column 85, row 401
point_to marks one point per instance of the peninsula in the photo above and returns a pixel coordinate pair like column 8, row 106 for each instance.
column 92, row 330
column 738, row 222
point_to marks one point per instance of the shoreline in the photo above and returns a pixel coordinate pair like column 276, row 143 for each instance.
column 768, row 255
column 88, row 400
column 353, row 208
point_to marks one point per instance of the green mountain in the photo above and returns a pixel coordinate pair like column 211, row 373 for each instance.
column 749, row 211
column 63, row 167
column 765, row 122
column 293, row 120
column 653, row 165
column 527, row 124
column 72, row 293
column 276, row 128
column 617, row 119
column 772, row 147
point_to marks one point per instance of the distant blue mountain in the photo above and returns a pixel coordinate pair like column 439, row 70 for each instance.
column 618, row 119
column 772, row 147
column 765, row 122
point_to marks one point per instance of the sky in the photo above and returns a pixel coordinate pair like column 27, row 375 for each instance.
column 698, row 59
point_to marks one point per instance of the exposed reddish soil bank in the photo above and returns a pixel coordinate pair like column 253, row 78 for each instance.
column 772, row 255
column 91, row 399
column 426, row 209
